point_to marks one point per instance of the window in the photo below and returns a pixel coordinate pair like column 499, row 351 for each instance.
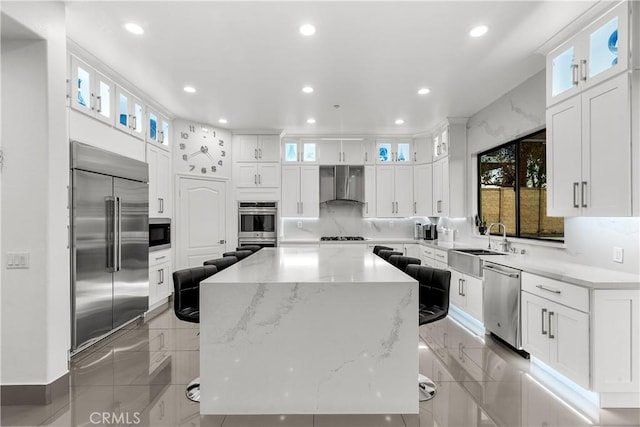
column 512, row 189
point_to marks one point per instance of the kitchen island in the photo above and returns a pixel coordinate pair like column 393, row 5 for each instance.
column 309, row 331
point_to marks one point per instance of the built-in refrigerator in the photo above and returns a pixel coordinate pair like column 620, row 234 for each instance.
column 109, row 242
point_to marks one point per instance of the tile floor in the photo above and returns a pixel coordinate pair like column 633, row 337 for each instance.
column 138, row 376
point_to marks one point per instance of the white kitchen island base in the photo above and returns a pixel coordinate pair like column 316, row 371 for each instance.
column 309, row 331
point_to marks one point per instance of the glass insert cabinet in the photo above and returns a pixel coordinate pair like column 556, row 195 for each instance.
column 595, row 54
column 91, row 92
column 299, row 151
column 393, row 151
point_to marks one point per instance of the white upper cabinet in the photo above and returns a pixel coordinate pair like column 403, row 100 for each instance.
column 340, row 153
column 369, row 208
column 394, row 191
column 589, row 154
column 390, row 151
column 423, row 190
column 441, row 143
column 160, row 199
column 257, row 148
column 129, row 113
column 157, row 129
column 301, row 191
column 91, row 92
column 299, row 151
column 422, row 150
column 593, row 55
column 369, row 152
column 450, row 169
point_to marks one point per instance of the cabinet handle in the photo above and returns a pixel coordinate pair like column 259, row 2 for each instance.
column 415, row 207
column 582, row 195
column 544, row 288
column 574, row 74
column 542, row 313
column 551, row 336
column 255, row 153
column 134, row 122
column 161, row 137
column 583, row 70
column 396, row 207
column 339, row 156
column 392, row 208
column 159, row 276
column 366, row 156
column 260, row 179
column 255, row 179
column 439, row 206
column 99, row 100
column 161, row 200
column 459, row 286
column 575, row 188
column 414, row 157
column 158, row 258
column 344, row 157
column 460, row 351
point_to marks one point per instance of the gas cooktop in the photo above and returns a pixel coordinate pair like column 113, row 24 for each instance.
column 341, row 238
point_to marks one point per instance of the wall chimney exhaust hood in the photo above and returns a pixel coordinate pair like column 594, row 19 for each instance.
column 345, row 183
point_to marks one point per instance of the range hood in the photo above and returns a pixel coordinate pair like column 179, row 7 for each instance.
column 345, row 183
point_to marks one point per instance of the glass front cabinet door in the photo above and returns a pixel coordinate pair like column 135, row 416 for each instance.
column 157, row 128
column 598, row 52
column 299, row 151
column 91, row 92
column 130, row 117
column 393, row 151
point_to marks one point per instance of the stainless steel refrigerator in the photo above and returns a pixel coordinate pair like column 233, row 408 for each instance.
column 110, row 242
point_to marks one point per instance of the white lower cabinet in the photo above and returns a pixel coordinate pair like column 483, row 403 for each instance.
column 466, row 293
column 557, row 335
column 160, row 279
column 412, row 250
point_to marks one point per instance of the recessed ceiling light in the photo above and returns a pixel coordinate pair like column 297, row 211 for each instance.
column 223, row 121
column 479, row 31
column 190, row 89
column 134, row 28
column 399, row 121
column 424, row 91
column 307, row 30
column 307, row 89
column 311, row 121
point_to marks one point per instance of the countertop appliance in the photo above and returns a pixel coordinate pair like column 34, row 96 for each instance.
column 342, row 182
column 257, row 223
column 417, row 231
column 109, row 242
column 501, row 303
column 429, row 232
column 159, row 234
column 341, row 238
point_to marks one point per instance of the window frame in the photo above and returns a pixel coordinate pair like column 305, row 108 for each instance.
column 516, row 142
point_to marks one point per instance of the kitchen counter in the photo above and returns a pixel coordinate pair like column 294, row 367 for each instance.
column 322, row 330
column 577, row 274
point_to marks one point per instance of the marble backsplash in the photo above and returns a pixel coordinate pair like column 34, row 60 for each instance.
column 345, row 219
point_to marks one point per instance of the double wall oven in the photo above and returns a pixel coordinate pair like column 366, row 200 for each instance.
column 257, row 223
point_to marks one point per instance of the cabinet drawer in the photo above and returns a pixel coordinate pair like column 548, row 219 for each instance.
column 555, row 290
column 159, row 257
column 442, row 256
column 428, row 252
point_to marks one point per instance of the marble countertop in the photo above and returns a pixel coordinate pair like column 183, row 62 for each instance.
column 333, row 264
column 577, row 274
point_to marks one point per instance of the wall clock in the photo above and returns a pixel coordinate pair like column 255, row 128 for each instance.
column 201, row 150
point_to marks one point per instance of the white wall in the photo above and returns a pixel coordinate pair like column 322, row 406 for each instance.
column 34, row 197
column 588, row 241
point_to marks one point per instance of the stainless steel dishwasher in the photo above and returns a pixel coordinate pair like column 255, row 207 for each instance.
column 501, row 303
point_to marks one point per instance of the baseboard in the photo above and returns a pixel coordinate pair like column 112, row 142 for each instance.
column 34, row 394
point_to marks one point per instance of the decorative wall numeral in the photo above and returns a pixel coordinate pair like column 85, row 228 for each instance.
column 192, row 128
column 219, row 162
column 184, row 157
column 221, row 143
column 192, row 167
column 203, row 170
column 213, row 168
column 183, row 146
column 223, row 153
column 184, row 135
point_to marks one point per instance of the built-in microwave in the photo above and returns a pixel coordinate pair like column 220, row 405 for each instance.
column 159, row 234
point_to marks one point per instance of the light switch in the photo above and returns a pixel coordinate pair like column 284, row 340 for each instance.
column 17, row 259
column 618, row 254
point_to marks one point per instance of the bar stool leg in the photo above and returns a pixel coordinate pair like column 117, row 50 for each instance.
column 193, row 390
column 426, row 387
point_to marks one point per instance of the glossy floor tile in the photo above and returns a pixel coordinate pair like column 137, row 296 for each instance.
column 137, row 377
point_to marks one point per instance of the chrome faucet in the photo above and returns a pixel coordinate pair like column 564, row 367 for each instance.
column 504, row 245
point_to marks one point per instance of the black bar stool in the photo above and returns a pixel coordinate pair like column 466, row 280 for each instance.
column 186, row 305
column 401, row 262
column 252, row 248
column 377, row 249
column 238, row 254
column 222, row 263
column 386, row 253
column 434, row 305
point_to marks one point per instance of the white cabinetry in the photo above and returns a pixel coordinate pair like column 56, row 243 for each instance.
column 257, row 148
column 369, row 152
column 158, row 128
column 449, row 172
column 160, row 198
column 130, row 114
column 422, row 150
column 301, row 191
column 257, row 175
column 340, row 153
column 393, row 151
column 423, row 190
column 160, row 279
column 299, row 151
column 595, row 54
column 369, row 208
column 466, row 293
column 412, row 250
column 589, row 152
column 441, row 142
column 555, row 325
column 91, row 92
column 394, row 192
column 398, row 247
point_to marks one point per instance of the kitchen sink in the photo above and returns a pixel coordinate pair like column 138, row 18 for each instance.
column 467, row 260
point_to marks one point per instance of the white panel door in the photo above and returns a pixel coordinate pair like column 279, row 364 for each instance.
column 246, row 175
column 269, row 148
column 201, row 223
column 569, row 343
column 268, row 174
column 423, row 190
column 385, row 201
column 369, row 208
column 563, row 158
column 535, row 325
column 247, row 147
column 606, row 149
column 352, row 153
column 403, row 184
column 309, row 191
column 290, row 191
column 329, row 153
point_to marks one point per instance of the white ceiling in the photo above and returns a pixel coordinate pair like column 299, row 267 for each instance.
column 248, row 61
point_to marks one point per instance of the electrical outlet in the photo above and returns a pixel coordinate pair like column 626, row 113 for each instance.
column 299, row 224
column 390, row 224
column 618, row 254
